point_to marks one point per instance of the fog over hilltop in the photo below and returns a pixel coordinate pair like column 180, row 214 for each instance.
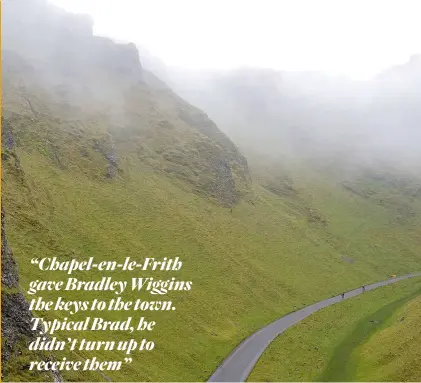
column 310, row 114
column 302, row 108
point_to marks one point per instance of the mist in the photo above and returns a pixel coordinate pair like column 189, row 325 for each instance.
column 355, row 38
column 338, row 83
column 63, row 69
column 314, row 115
column 310, row 107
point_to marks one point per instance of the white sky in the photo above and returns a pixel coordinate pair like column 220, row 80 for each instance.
column 354, row 37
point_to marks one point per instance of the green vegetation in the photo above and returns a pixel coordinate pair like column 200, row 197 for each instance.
column 103, row 160
column 371, row 337
column 248, row 267
column 392, row 353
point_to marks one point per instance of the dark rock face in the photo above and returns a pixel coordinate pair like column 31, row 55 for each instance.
column 7, row 135
column 222, row 186
column 9, row 270
column 224, row 175
column 107, row 149
column 15, row 314
column 15, row 323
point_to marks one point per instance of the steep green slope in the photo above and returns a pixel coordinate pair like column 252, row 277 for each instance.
column 392, row 352
column 16, row 321
column 98, row 95
column 101, row 159
column 332, row 344
column 248, row 267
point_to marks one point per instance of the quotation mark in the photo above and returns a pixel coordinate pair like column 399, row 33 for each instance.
column 34, row 261
column 128, row 360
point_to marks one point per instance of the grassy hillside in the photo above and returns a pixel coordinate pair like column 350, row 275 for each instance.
column 248, row 267
column 372, row 337
column 101, row 159
column 391, row 353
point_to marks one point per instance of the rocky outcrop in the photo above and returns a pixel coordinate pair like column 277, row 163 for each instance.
column 7, row 135
column 9, row 275
column 16, row 320
column 15, row 314
column 74, row 88
column 107, row 149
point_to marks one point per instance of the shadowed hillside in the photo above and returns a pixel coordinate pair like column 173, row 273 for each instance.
column 65, row 75
column 102, row 159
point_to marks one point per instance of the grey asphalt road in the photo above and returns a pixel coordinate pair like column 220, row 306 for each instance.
column 239, row 364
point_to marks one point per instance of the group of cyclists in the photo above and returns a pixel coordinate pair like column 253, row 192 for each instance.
column 343, row 294
column 363, row 287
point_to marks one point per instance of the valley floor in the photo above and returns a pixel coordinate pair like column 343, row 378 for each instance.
column 373, row 337
column 240, row 363
column 250, row 265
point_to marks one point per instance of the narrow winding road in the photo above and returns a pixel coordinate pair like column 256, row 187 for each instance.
column 239, row 364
